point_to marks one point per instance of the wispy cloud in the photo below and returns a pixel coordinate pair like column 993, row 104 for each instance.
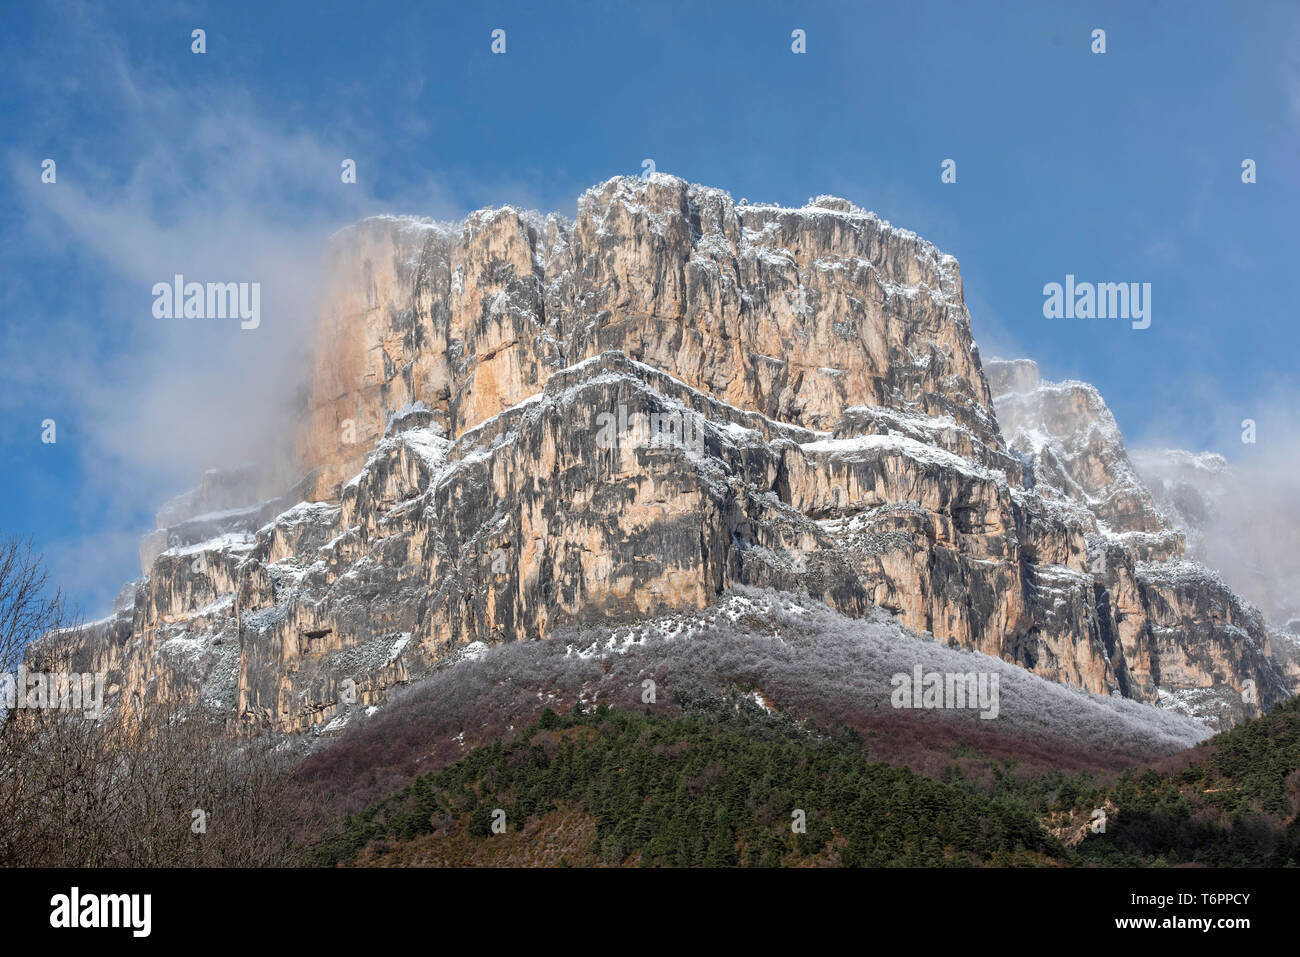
column 200, row 180
column 1252, row 533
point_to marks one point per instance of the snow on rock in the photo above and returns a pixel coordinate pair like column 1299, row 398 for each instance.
column 497, row 482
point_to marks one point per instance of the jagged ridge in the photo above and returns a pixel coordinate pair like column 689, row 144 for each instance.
column 845, row 443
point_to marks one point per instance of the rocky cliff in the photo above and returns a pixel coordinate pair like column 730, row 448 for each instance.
column 1174, row 617
column 519, row 422
column 1244, row 522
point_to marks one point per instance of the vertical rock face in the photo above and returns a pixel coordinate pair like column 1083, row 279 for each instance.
column 1074, row 443
column 795, row 314
column 1243, row 521
column 518, row 422
column 1173, row 620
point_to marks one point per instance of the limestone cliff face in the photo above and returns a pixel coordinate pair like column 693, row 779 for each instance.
column 519, row 422
column 1173, row 620
column 1074, row 444
column 1243, row 520
column 795, row 314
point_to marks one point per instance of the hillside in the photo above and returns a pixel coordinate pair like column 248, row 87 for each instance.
column 613, row 787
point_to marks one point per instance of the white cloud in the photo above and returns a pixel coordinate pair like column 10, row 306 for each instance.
column 198, row 180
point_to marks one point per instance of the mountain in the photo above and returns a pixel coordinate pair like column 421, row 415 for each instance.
column 1164, row 607
column 1240, row 520
column 518, row 424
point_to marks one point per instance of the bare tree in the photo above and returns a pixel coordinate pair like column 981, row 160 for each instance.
column 163, row 786
column 26, row 611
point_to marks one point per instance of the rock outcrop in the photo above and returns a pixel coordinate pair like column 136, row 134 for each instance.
column 1243, row 520
column 1173, row 618
column 517, row 423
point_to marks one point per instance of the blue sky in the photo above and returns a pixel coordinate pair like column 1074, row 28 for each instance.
column 1117, row 167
